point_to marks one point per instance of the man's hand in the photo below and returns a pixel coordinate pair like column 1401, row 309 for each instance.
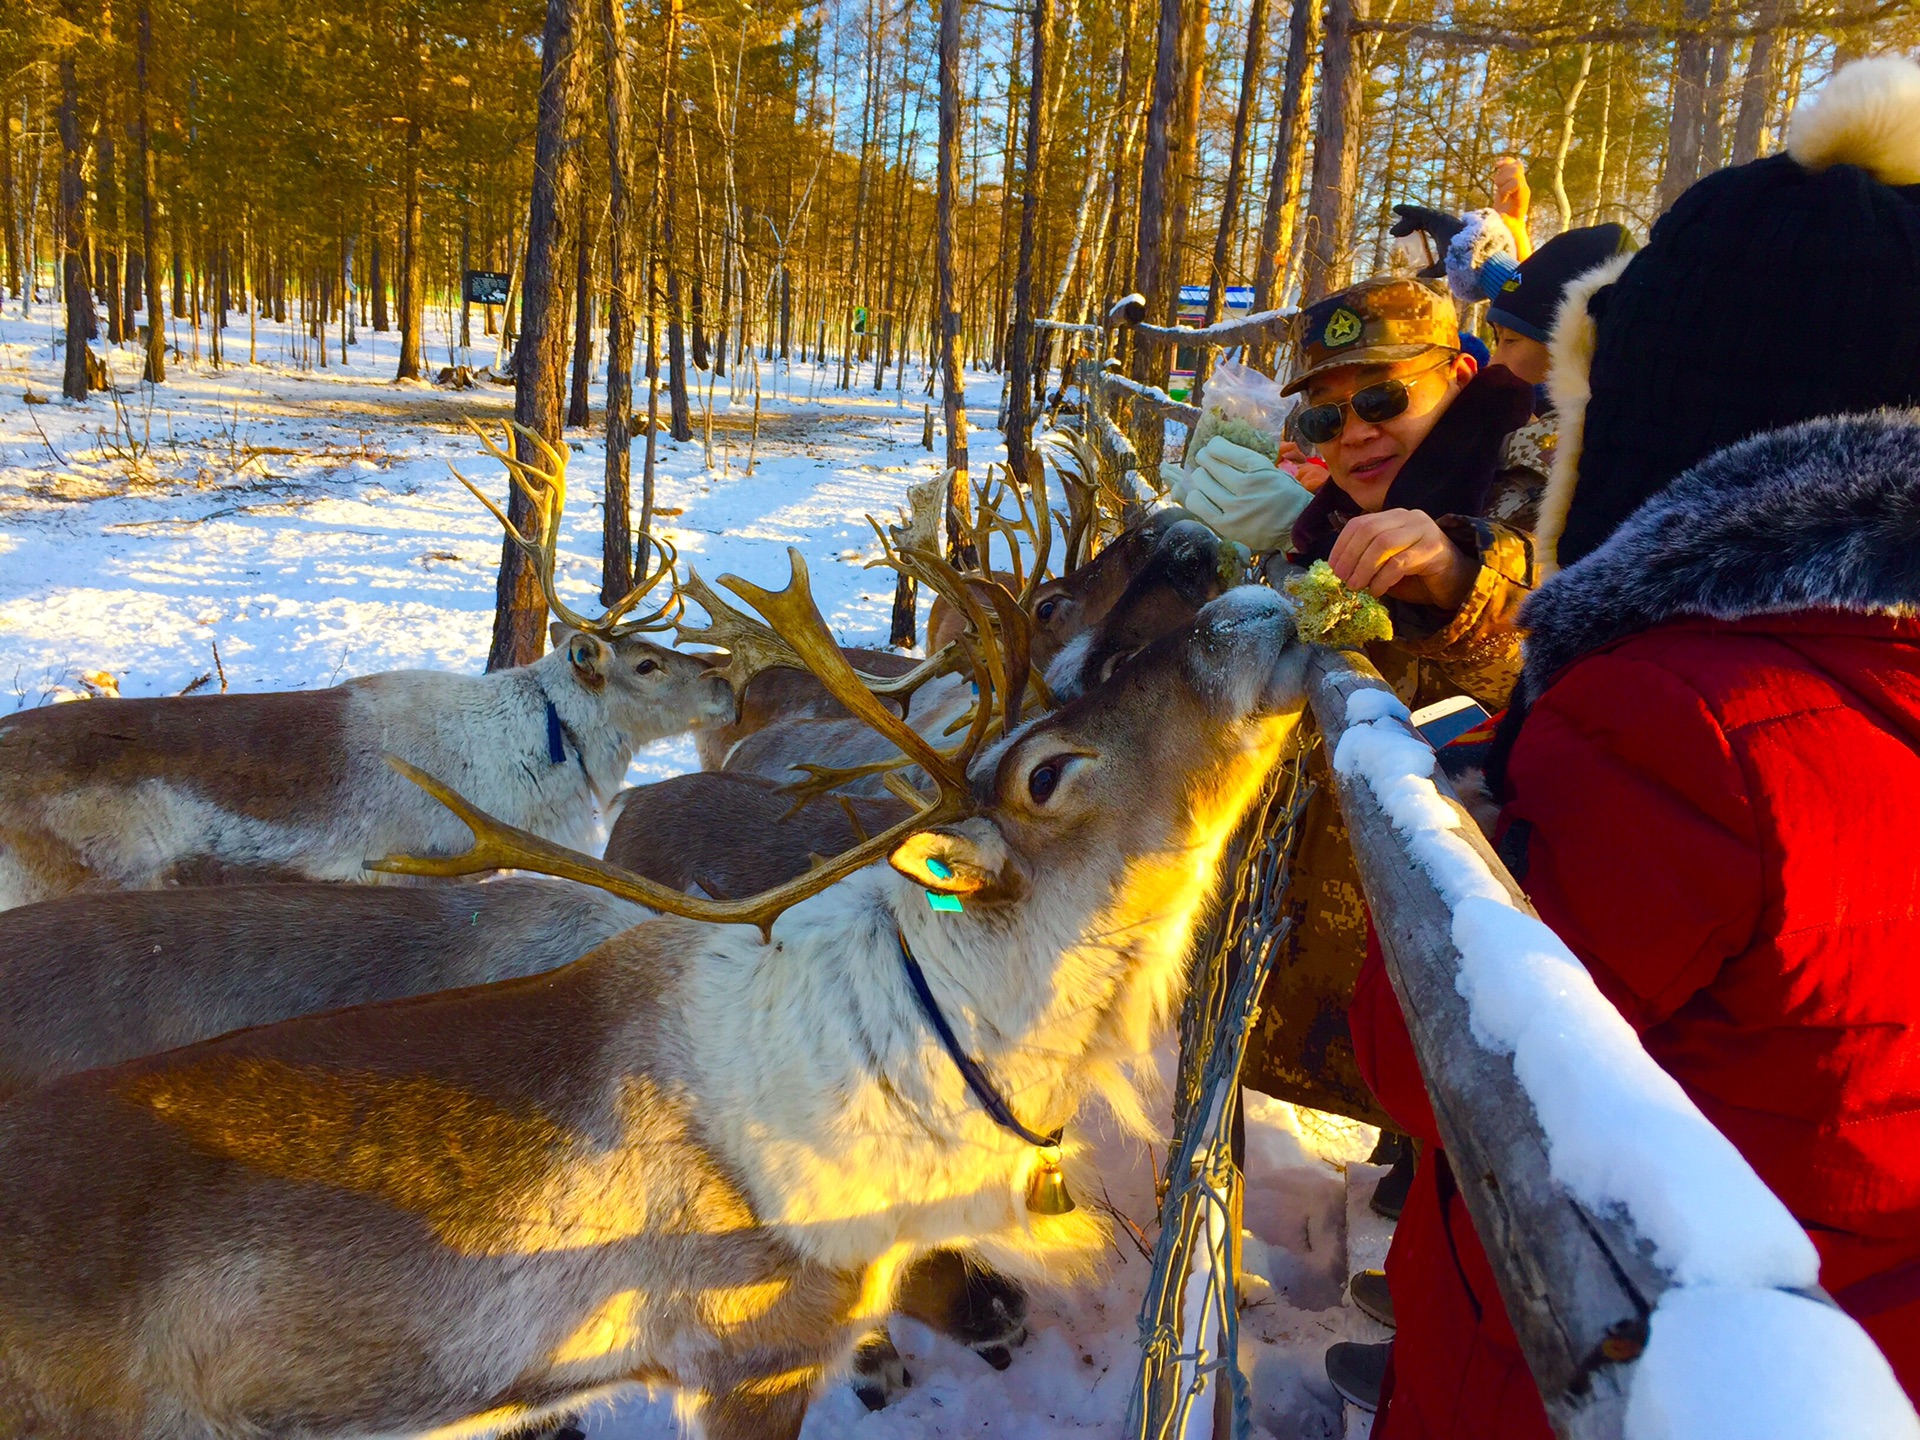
column 1403, row 553
column 1241, row 495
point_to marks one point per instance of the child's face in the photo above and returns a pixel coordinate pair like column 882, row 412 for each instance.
column 1524, row 357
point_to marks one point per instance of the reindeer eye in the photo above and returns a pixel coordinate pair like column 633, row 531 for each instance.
column 1044, row 610
column 646, row 667
column 1043, row 781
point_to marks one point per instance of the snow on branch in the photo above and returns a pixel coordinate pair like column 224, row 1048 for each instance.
column 1247, row 329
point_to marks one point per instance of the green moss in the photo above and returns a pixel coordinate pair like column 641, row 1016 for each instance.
column 1328, row 613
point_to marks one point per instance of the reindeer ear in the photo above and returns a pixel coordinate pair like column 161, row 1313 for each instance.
column 557, row 634
column 589, row 658
column 970, row 858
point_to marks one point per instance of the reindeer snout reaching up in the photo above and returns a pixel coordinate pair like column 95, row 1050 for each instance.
column 1247, row 652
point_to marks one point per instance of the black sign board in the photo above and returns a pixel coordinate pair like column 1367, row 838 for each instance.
column 487, row 287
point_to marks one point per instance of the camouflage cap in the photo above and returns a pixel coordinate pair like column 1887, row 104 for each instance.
column 1373, row 323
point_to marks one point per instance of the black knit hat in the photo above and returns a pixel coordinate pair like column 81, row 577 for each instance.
column 1770, row 293
column 1526, row 305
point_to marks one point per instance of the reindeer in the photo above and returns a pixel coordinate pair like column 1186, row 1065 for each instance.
column 1162, row 572
column 138, row 794
column 1059, row 607
column 729, row 834
column 96, row 979
column 698, row 1157
column 92, row 980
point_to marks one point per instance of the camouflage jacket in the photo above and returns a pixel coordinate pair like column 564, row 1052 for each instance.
column 1300, row 1049
column 1475, row 650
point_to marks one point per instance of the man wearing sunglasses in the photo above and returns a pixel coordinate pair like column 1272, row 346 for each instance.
column 1411, row 431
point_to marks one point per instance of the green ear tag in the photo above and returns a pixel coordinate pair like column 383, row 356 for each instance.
column 940, row 870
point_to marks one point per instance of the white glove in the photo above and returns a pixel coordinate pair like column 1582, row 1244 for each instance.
column 1242, row 495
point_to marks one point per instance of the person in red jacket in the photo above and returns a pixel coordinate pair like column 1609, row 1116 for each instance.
column 1711, row 766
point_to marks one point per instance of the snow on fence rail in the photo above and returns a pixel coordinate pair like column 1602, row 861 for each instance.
column 1657, row 1287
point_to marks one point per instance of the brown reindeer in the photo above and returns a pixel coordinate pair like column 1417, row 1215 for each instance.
column 1150, row 581
column 96, row 979
column 697, row 1157
column 137, row 794
column 728, row 835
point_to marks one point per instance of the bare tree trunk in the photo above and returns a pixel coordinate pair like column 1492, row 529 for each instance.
column 1757, row 88
column 1601, row 143
column 8, row 204
column 376, row 278
column 73, row 218
column 466, row 264
column 106, row 179
column 676, row 317
column 670, row 50
column 520, row 610
column 156, row 366
column 947, row 195
column 1684, row 131
column 1566, row 138
column 1156, row 270
column 1713, row 127
column 616, row 527
column 1250, row 70
column 1336, row 155
column 413, row 300
column 578, row 411
column 1019, row 431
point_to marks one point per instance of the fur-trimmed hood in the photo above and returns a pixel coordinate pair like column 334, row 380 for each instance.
column 1823, row 515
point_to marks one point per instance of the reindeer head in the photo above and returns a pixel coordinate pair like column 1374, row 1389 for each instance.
column 651, row 691
column 647, row 691
column 1174, row 567
column 1157, row 763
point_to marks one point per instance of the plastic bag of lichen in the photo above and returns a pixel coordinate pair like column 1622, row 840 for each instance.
column 1243, row 405
column 1326, row 612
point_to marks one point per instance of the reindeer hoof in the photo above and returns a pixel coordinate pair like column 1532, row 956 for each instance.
column 879, row 1374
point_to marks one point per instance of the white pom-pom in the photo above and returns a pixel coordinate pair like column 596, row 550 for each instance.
column 1868, row 115
column 1483, row 237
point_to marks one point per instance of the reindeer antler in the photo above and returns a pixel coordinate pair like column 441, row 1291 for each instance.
column 795, row 621
column 751, row 647
column 545, row 490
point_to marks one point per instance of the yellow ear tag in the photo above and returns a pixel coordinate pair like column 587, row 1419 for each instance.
column 938, row 899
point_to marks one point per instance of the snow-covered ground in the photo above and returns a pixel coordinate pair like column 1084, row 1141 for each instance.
column 305, row 522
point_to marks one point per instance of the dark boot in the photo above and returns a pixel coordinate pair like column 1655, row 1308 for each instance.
column 1390, row 1195
column 1369, row 1293
column 1358, row 1372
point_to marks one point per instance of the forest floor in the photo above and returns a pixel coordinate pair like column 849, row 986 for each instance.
column 305, row 522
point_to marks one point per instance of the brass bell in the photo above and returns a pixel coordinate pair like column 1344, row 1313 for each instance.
column 1047, row 1185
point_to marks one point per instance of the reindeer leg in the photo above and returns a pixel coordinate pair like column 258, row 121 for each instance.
column 879, row 1374
column 967, row 1301
column 756, row 1411
column 565, row 1427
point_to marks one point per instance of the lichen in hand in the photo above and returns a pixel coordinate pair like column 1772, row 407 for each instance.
column 1328, row 613
column 1239, row 430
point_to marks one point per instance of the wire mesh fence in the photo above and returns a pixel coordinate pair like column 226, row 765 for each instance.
column 1189, row 1320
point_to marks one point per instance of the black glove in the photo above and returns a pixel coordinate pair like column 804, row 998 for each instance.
column 1437, row 223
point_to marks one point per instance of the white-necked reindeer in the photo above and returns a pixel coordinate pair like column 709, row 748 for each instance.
column 697, row 1157
column 134, row 794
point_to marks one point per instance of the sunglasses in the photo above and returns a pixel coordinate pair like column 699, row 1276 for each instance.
column 1375, row 404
